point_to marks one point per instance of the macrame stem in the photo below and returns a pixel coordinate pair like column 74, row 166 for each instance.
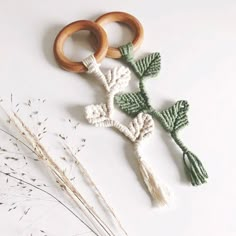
column 110, row 103
column 94, row 69
column 159, row 193
column 193, row 165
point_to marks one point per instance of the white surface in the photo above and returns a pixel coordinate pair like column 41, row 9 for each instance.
column 197, row 42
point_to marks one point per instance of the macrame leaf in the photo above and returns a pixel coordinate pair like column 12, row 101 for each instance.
column 117, row 78
column 141, row 126
column 149, row 65
column 175, row 117
column 97, row 115
column 132, row 103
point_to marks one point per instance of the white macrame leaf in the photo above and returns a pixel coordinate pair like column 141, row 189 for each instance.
column 118, row 78
column 141, row 126
column 97, row 115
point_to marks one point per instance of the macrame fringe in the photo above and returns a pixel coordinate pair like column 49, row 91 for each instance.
column 195, row 169
column 158, row 192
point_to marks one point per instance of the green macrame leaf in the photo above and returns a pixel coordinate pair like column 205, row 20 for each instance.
column 132, row 103
column 149, row 65
column 175, row 117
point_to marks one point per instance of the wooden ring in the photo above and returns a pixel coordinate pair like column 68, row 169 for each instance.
column 127, row 19
column 67, row 31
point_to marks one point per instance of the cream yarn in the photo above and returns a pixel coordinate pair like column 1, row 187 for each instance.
column 139, row 128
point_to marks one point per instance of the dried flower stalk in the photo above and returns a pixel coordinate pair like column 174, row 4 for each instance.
column 38, row 149
column 94, row 187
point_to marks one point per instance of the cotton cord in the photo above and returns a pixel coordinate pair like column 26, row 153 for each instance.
column 157, row 189
column 172, row 119
column 139, row 128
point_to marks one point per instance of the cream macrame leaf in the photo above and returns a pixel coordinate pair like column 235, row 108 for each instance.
column 141, row 126
column 97, row 115
column 117, row 79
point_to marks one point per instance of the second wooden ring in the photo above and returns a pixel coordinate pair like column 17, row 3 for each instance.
column 127, row 19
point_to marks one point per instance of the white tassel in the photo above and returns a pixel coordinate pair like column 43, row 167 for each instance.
column 158, row 192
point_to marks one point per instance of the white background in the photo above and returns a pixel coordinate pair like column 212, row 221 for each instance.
column 197, row 41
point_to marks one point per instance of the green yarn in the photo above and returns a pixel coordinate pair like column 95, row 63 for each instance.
column 172, row 119
column 133, row 103
column 147, row 66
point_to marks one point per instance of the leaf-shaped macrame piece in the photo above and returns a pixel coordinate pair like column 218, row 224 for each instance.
column 132, row 103
column 97, row 115
column 149, row 65
column 117, row 78
column 175, row 117
column 141, row 126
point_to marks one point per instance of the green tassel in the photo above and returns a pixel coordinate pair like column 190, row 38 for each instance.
column 192, row 164
column 194, row 168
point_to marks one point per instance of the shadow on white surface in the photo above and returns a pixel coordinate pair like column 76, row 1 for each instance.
column 77, row 112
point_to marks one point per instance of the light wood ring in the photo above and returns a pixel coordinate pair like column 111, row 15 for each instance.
column 127, row 19
column 67, row 31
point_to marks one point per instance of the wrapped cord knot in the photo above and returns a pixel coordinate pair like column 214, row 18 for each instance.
column 127, row 52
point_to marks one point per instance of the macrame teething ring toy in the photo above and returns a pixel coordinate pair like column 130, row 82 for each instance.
column 67, row 31
column 114, row 81
column 171, row 119
column 130, row 21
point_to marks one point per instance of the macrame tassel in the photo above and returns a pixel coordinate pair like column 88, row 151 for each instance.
column 194, row 168
column 159, row 193
column 192, row 164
